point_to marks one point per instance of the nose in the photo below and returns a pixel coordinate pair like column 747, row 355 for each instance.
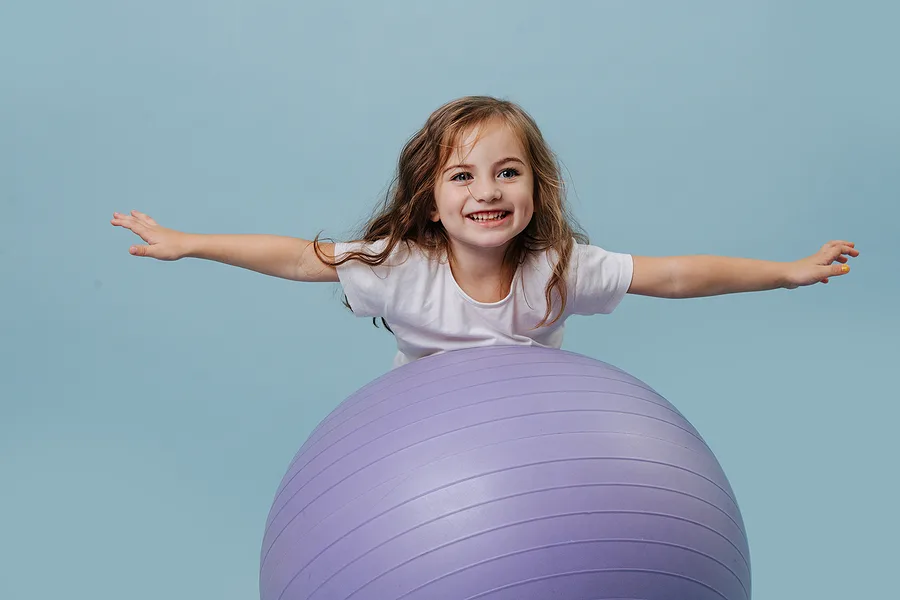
column 486, row 192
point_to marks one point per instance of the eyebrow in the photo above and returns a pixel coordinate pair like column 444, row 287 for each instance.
column 499, row 162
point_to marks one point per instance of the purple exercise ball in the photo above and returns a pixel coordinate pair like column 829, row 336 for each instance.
column 505, row 473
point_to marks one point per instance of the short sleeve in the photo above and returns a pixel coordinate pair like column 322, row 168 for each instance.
column 365, row 286
column 601, row 279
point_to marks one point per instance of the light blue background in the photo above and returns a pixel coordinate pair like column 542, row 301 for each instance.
column 148, row 410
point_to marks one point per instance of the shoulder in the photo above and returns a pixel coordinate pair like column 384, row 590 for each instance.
column 372, row 278
column 368, row 259
column 359, row 251
column 589, row 255
column 598, row 278
column 370, row 248
column 581, row 257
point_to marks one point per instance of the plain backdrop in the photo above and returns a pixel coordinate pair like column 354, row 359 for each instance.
column 148, row 410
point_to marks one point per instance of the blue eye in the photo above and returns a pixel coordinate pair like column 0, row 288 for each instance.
column 509, row 171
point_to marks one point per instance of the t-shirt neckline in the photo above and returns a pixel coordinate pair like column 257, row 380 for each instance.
column 512, row 286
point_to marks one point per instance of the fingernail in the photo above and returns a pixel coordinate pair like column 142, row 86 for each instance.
column 845, row 268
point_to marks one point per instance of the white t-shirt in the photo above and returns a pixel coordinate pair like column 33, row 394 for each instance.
column 429, row 313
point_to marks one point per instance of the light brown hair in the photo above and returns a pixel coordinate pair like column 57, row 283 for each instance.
column 404, row 215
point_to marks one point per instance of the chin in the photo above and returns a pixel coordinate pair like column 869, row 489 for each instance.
column 490, row 241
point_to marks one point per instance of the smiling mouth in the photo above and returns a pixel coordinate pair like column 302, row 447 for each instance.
column 494, row 215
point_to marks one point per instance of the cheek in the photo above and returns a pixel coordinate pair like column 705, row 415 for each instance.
column 453, row 199
column 529, row 215
column 528, row 206
column 525, row 199
column 447, row 201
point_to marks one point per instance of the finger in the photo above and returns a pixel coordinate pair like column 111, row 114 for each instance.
column 143, row 217
column 837, row 252
column 845, row 250
column 131, row 224
column 836, row 270
column 121, row 220
column 829, row 254
column 141, row 250
column 838, row 247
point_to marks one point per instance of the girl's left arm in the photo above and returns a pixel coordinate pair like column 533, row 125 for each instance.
column 698, row 276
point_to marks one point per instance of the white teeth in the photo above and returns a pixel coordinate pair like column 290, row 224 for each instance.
column 492, row 216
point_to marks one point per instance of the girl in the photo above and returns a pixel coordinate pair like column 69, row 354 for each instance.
column 474, row 245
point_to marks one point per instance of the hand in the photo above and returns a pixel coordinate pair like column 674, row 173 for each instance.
column 821, row 266
column 162, row 243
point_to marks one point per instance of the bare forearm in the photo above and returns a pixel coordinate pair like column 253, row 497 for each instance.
column 274, row 255
column 698, row 276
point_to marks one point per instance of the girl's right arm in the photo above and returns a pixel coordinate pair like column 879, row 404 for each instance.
column 278, row 256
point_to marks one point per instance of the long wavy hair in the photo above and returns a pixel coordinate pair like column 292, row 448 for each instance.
column 404, row 215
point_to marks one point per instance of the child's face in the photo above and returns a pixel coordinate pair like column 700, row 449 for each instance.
column 484, row 193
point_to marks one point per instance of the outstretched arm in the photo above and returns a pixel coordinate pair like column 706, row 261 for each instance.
column 698, row 276
column 278, row 256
